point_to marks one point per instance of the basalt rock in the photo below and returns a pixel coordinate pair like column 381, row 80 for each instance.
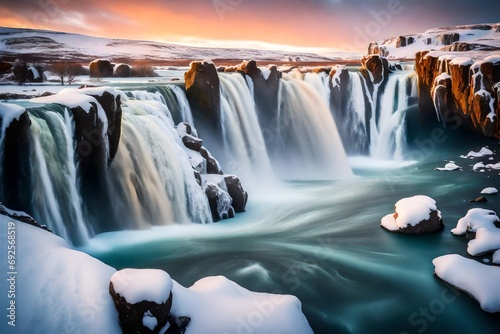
column 472, row 100
column 265, row 89
column 237, row 193
column 16, row 164
column 203, row 94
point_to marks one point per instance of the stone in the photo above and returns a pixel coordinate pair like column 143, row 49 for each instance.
column 237, row 193
column 122, row 71
column 101, row 68
column 480, row 199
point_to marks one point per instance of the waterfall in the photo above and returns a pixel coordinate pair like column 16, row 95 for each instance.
column 309, row 144
column 388, row 132
column 243, row 141
column 151, row 179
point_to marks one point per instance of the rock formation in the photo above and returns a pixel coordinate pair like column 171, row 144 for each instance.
column 101, row 68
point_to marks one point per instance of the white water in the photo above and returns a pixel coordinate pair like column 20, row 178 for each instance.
column 244, row 145
column 310, row 145
column 151, row 179
column 184, row 107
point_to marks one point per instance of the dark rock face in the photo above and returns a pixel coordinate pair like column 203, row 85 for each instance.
column 401, row 42
column 123, row 71
column 5, row 67
column 433, row 224
column 378, row 66
column 131, row 315
column 101, row 68
column 219, row 201
column 22, row 217
column 265, row 89
column 203, row 94
column 237, row 193
column 213, row 166
column 16, row 164
column 468, row 97
column 447, row 39
column 192, row 142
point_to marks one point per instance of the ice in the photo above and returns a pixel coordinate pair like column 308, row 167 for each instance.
column 136, row 285
column 477, row 279
column 475, row 219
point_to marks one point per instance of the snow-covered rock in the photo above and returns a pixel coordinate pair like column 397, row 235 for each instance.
column 481, row 153
column 414, row 215
column 479, row 280
column 450, row 166
column 218, row 197
column 474, row 220
column 489, row 191
column 143, row 299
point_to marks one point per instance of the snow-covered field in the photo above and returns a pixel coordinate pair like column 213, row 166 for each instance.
column 57, row 45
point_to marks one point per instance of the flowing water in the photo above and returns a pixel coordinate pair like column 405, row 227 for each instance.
column 317, row 237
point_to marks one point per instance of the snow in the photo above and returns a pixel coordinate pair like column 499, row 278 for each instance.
column 493, row 166
column 495, row 59
column 475, row 219
column 442, row 76
column 68, row 291
column 487, row 240
column 461, row 61
column 336, row 77
column 34, row 71
column 266, row 73
column 409, row 211
column 230, row 308
column 489, row 191
column 149, row 321
column 477, row 279
column 8, row 113
column 450, row 166
column 481, row 153
column 478, row 166
column 136, row 285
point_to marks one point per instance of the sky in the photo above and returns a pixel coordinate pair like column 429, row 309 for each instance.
column 316, row 25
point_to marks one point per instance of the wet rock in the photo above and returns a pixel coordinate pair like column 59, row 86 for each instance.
column 192, row 142
column 480, row 199
column 237, row 193
column 213, row 166
column 219, row 200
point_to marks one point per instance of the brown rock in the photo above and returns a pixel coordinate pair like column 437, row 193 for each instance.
column 101, row 68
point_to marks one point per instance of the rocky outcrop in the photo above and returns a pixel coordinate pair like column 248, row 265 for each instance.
column 225, row 193
column 447, row 39
column 101, row 68
column 203, row 94
column 375, row 49
column 469, row 95
column 5, row 67
column 433, row 224
column 375, row 69
column 21, row 216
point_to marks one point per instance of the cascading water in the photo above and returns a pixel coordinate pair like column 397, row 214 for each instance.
column 308, row 141
column 244, row 145
column 388, row 131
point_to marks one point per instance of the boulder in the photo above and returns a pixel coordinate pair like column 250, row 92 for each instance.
column 237, row 193
column 213, row 166
column 101, row 68
column 143, row 299
column 401, row 42
column 5, row 67
column 192, row 142
column 480, row 199
column 447, row 39
column 122, row 71
column 414, row 215
column 218, row 197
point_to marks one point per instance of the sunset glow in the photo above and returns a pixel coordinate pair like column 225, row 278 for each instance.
column 318, row 25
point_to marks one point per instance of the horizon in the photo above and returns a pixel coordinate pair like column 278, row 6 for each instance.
column 319, row 26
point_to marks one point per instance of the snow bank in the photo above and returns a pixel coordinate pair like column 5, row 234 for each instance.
column 66, row 291
column 462, row 61
column 489, row 191
column 409, row 211
column 477, row 279
column 450, row 166
column 474, row 220
column 487, row 240
column 136, row 285
column 217, row 305
column 8, row 113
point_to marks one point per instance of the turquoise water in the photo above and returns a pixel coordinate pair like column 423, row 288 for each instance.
column 322, row 242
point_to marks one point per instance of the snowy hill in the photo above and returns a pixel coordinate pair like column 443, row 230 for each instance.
column 42, row 45
column 479, row 37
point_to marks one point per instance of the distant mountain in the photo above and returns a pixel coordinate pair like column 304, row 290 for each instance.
column 43, row 45
column 479, row 37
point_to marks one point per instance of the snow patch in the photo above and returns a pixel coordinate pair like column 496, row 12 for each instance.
column 475, row 219
column 409, row 211
column 450, row 166
column 487, row 240
column 481, row 153
column 149, row 321
column 461, row 61
column 8, row 113
column 136, row 285
column 489, row 191
column 477, row 279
